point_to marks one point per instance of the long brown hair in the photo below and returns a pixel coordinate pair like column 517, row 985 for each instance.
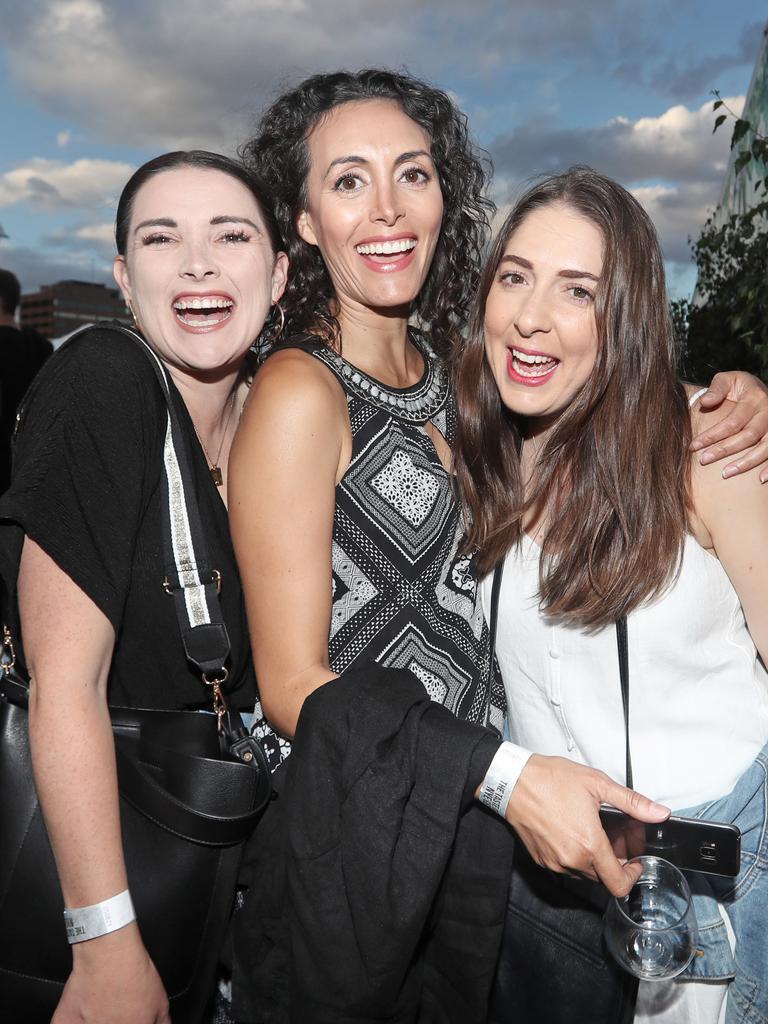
column 614, row 472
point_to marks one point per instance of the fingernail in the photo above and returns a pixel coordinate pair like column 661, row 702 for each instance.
column 696, row 445
column 706, row 458
column 730, row 471
column 660, row 808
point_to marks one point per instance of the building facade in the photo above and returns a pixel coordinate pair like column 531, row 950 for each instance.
column 58, row 309
column 739, row 193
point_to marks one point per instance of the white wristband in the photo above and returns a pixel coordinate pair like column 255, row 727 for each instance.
column 501, row 777
column 85, row 923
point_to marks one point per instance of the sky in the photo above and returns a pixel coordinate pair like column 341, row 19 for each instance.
column 89, row 89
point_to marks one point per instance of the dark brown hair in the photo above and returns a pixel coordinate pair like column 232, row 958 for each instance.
column 279, row 154
column 199, row 158
column 614, row 472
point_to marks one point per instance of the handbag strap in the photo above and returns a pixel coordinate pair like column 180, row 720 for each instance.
column 189, row 576
column 623, row 648
column 192, row 581
column 493, row 620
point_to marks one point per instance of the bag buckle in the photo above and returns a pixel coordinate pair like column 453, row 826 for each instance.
column 8, row 655
column 213, row 577
column 220, row 705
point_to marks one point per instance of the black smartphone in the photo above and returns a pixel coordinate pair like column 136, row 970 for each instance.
column 690, row 844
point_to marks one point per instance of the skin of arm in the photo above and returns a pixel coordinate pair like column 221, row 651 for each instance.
column 292, row 446
column 731, row 519
column 68, row 645
column 743, row 429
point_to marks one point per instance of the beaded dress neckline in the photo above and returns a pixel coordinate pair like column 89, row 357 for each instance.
column 417, row 403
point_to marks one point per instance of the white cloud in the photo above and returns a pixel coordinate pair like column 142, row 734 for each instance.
column 101, row 234
column 96, row 238
column 185, row 73
column 52, row 184
column 678, row 213
column 672, row 163
column 677, row 145
column 63, row 139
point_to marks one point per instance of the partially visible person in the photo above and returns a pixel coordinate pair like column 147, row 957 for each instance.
column 199, row 263
column 574, row 461
column 22, row 352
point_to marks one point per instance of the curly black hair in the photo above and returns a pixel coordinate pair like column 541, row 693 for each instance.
column 279, row 154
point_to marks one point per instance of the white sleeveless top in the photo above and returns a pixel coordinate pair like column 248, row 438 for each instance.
column 698, row 691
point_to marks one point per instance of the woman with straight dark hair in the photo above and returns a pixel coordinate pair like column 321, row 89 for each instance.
column 574, row 462
column 81, row 530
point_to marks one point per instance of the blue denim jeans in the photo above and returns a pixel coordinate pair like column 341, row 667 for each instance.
column 745, row 899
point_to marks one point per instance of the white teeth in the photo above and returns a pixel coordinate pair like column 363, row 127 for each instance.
column 386, row 248
column 206, row 303
column 526, row 357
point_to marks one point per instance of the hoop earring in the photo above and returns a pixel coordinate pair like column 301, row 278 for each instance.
column 270, row 333
column 277, row 332
column 135, row 324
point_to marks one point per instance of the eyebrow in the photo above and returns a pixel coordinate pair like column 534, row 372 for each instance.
column 353, row 159
column 236, row 220
column 527, row 265
column 156, row 222
column 169, row 222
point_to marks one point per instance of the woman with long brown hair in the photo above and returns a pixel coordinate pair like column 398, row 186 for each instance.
column 574, row 463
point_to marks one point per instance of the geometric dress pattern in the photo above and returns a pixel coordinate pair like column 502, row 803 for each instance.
column 402, row 595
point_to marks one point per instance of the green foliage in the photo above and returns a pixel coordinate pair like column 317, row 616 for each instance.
column 727, row 326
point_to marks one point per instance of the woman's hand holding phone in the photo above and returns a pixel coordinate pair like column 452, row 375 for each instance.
column 554, row 808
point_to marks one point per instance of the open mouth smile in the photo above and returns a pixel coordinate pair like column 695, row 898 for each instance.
column 530, row 368
column 203, row 312
column 387, row 254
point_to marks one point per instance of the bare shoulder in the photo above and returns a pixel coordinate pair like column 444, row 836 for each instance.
column 701, row 418
column 715, row 498
column 293, row 388
column 295, row 422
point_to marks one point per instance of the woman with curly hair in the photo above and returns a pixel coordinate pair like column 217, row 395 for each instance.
column 349, row 422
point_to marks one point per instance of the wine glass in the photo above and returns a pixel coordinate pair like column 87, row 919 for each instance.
column 652, row 932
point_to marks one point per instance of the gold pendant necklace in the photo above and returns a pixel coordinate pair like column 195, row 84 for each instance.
column 214, row 468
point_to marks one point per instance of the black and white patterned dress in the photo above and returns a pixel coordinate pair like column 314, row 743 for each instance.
column 402, row 595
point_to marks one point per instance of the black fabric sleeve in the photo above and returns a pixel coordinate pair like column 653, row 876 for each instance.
column 480, row 762
column 87, row 456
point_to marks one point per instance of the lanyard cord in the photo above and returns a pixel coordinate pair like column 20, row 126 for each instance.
column 623, row 646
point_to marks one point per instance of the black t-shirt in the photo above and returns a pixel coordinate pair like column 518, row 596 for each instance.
column 22, row 353
column 88, row 486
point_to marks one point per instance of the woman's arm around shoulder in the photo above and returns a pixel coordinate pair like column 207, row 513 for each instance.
column 292, row 447
column 730, row 517
column 741, row 426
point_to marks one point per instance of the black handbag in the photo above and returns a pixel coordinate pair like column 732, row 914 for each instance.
column 192, row 787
